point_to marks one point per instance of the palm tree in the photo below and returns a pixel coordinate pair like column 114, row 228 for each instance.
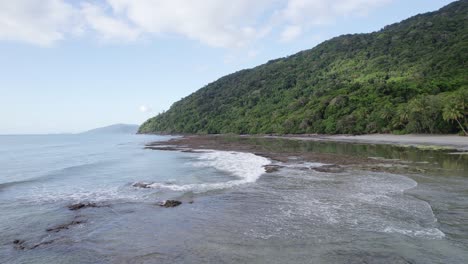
column 401, row 117
column 454, row 111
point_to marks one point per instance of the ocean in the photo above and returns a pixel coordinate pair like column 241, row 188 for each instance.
column 231, row 211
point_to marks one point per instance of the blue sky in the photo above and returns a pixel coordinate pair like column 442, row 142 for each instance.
column 69, row 66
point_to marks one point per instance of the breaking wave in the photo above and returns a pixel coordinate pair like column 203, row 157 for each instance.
column 247, row 167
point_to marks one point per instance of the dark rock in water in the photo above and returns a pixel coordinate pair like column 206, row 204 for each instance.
column 143, row 185
column 367, row 257
column 192, row 151
column 42, row 244
column 170, row 203
column 329, row 168
column 79, row 206
column 65, row 226
column 272, row 168
column 19, row 244
column 166, row 148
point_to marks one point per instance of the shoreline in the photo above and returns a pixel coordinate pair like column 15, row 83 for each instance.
column 284, row 151
column 422, row 141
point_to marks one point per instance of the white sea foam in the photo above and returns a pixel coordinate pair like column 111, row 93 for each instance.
column 247, row 167
column 104, row 194
column 353, row 200
column 426, row 233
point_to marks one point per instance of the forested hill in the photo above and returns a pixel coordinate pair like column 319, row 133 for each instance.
column 410, row 77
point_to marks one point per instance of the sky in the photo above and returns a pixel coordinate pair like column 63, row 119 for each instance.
column 71, row 65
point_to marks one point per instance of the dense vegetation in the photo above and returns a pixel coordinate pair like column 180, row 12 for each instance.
column 410, row 77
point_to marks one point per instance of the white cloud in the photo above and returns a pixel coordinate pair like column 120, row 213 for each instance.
column 252, row 53
column 107, row 27
column 357, row 7
column 145, row 109
column 300, row 15
column 41, row 22
column 290, row 33
column 213, row 22
column 216, row 23
column 319, row 12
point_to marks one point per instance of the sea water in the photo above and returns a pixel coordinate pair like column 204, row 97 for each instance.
column 231, row 212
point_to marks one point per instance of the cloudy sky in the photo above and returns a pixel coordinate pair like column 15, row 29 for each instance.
column 71, row 65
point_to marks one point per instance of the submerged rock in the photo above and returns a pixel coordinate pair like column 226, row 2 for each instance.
column 79, row 206
column 367, row 257
column 43, row 243
column 65, row 226
column 192, row 151
column 143, row 185
column 272, row 168
column 170, row 203
column 166, row 148
column 19, row 244
column 329, row 168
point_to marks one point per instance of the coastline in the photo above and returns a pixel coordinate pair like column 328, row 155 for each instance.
column 289, row 150
column 422, row 141
column 368, row 193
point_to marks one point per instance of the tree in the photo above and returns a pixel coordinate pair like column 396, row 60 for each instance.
column 455, row 110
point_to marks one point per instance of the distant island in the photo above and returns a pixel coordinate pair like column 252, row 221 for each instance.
column 114, row 129
column 410, row 77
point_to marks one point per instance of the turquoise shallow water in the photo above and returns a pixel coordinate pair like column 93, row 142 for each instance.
column 239, row 214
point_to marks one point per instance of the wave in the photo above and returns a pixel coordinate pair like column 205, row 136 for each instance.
column 36, row 182
column 246, row 166
column 100, row 195
column 6, row 185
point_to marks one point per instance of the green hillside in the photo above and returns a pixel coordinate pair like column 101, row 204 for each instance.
column 410, row 77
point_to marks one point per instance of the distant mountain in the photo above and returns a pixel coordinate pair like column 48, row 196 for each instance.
column 114, row 129
column 409, row 77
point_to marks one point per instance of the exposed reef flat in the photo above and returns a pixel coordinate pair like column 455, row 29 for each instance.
column 285, row 150
column 430, row 142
